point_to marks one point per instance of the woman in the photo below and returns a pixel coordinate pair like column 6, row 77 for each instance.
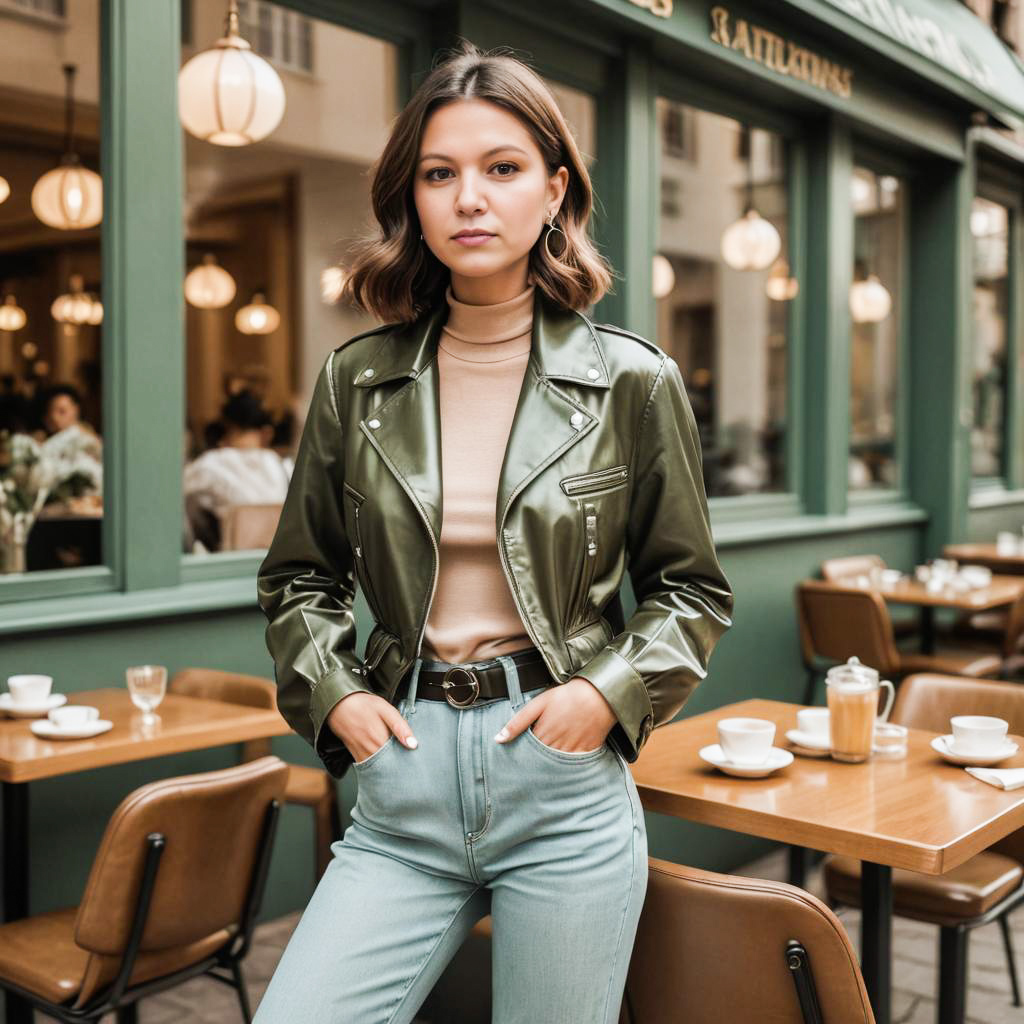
column 482, row 464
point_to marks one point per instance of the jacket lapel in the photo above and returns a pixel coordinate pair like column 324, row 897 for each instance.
column 548, row 421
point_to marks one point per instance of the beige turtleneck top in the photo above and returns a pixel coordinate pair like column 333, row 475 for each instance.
column 482, row 356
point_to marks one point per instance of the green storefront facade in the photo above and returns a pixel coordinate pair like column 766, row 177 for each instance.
column 920, row 89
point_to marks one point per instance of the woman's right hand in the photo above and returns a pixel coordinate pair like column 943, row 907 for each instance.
column 363, row 722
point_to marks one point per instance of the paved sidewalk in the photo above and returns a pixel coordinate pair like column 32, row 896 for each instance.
column 915, row 946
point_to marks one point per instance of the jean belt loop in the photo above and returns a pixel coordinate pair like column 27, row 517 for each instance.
column 515, row 694
column 410, row 696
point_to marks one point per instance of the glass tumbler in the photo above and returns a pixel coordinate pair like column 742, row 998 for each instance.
column 147, row 685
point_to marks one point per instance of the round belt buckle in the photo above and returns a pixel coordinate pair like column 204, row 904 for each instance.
column 447, row 683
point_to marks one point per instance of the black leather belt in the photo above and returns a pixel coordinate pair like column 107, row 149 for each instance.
column 465, row 685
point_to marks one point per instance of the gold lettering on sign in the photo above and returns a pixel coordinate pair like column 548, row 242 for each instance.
column 783, row 56
column 662, row 8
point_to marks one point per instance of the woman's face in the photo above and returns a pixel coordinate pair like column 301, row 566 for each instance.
column 479, row 169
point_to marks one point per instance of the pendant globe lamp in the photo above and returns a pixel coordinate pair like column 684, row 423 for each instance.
column 750, row 243
column 229, row 95
column 780, row 286
column 259, row 317
column 12, row 316
column 209, row 285
column 870, row 301
column 5, row 189
column 70, row 197
column 77, row 306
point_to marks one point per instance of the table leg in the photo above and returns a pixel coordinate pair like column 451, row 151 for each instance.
column 800, row 860
column 876, row 936
column 15, row 854
column 927, row 629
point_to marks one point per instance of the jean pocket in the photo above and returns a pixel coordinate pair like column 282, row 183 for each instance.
column 569, row 756
column 389, row 742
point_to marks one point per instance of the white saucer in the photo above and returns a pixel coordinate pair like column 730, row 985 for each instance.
column 941, row 745
column 808, row 742
column 48, row 731
column 55, row 700
column 777, row 758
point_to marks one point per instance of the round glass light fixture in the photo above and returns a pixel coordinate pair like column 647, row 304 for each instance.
column 5, row 189
column 751, row 243
column 780, row 287
column 332, row 280
column 229, row 95
column 70, row 197
column 77, row 306
column 870, row 300
column 663, row 277
column 12, row 316
column 258, row 317
column 209, row 285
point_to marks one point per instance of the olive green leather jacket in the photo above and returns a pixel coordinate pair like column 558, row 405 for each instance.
column 602, row 471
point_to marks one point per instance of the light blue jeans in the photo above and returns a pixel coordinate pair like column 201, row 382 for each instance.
column 552, row 844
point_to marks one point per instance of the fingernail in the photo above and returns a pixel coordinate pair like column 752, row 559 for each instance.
column 502, row 735
column 412, row 742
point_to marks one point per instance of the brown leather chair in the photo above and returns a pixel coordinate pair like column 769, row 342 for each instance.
column 837, row 623
column 173, row 893
column 835, row 570
column 307, row 786
column 709, row 948
column 985, row 888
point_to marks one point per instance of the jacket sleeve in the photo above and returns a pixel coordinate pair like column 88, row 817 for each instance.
column 684, row 602
column 306, row 585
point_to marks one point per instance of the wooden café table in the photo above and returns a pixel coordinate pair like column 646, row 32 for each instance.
column 186, row 723
column 987, row 555
column 918, row 812
column 1001, row 592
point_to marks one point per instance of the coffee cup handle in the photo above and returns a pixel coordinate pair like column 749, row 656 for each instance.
column 884, row 716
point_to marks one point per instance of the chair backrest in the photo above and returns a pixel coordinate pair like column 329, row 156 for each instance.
column 837, row 623
column 214, row 826
column 927, row 701
column 249, row 527
column 232, row 688
column 713, row 948
column 836, row 569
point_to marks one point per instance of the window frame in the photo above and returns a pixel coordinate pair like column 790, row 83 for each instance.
column 672, row 85
column 868, row 155
column 995, row 184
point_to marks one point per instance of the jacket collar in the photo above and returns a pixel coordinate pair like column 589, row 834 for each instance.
column 563, row 346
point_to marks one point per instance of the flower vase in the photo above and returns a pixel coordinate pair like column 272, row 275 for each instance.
column 14, row 541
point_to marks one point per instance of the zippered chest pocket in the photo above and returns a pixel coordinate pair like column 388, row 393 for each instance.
column 598, row 509
column 356, row 502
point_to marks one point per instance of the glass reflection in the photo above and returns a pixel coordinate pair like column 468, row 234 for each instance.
column 990, row 234
column 51, row 313
column 722, row 286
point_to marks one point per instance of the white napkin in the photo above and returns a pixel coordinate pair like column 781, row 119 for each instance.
column 1004, row 778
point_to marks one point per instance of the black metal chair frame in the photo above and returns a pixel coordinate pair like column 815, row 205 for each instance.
column 122, row 1000
column 953, row 957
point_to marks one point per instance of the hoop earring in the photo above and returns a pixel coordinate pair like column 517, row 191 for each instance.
column 547, row 235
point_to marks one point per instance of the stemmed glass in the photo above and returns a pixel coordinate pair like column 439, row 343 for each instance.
column 147, row 685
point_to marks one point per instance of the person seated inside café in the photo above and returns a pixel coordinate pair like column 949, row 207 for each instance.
column 240, row 469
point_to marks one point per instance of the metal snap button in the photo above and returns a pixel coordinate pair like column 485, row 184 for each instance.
column 367, row 373
column 593, row 373
column 374, row 423
column 576, row 419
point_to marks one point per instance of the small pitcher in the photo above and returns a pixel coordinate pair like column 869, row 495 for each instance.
column 853, row 709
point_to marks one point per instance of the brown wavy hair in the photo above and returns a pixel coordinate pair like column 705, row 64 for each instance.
column 393, row 275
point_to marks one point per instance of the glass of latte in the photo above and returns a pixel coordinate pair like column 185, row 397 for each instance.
column 853, row 709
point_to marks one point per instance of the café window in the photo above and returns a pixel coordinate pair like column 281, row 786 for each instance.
column 51, row 292
column 723, row 289
column 268, row 225
column 874, row 302
column 990, row 235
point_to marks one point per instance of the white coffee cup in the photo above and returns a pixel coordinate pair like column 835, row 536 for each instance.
column 1006, row 543
column 73, row 716
column 746, row 740
column 813, row 722
column 977, row 734
column 29, row 690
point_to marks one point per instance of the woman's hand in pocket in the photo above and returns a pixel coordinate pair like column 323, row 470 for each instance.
column 572, row 717
column 363, row 722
